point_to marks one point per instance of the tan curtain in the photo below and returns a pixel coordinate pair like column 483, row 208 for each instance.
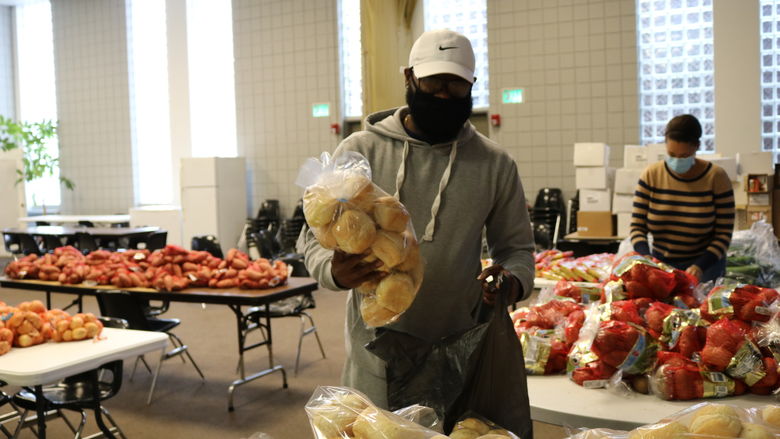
column 387, row 37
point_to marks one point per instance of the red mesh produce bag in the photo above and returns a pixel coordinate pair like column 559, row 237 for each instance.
column 744, row 302
column 643, row 277
column 573, row 326
column 623, row 311
column 546, row 316
column 583, row 295
column 678, row 378
column 655, row 316
column 544, row 352
column 730, row 348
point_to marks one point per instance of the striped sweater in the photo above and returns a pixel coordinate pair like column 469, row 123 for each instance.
column 690, row 219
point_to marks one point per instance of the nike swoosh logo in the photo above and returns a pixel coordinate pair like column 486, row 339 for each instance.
column 447, row 48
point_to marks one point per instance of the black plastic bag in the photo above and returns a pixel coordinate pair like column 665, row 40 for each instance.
column 480, row 370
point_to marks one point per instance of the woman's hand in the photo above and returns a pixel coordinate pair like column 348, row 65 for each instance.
column 350, row 271
column 694, row 271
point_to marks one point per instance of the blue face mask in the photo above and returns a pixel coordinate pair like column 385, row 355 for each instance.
column 680, row 165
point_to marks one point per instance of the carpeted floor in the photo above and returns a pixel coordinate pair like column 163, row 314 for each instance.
column 185, row 407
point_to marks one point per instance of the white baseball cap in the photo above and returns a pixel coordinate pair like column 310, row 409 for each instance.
column 442, row 51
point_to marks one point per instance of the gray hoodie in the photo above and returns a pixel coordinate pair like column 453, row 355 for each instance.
column 452, row 191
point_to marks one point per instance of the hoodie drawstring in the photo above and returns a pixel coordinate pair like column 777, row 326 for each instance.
column 430, row 228
column 399, row 177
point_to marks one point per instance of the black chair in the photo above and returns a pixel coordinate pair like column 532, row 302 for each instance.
column 78, row 393
column 12, row 243
column 8, row 416
column 49, row 243
column 157, row 240
column 549, row 208
column 208, row 243
column 266, row 243
column 295, row 306
column 85, row 242
column 86, row 223
column 28, row 244
column 123, row 305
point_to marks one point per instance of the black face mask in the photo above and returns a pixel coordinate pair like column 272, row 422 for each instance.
column 439, row 119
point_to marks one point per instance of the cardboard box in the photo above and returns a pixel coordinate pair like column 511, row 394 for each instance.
column 740, row 218
column 757, row 183
column 626, row 180
column 623, row 225
column 594, row 178
column 597, row 224
column 634, row 156
column 595, row 200
column 622, row 203
column 759, row 200
column 755, row 214
column 729, row 164
column 591, row 154
column 755, row 163
column 656, row 152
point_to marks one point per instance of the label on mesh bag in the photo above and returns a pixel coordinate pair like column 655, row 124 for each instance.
column 716, row 385
column 594, row 384
column 641, row 355
column 747, row 364
column 614, row 291
column 631, row 261
column 536, row 351
column 719, row 300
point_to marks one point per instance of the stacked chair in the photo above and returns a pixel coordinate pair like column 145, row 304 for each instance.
column 548, row 216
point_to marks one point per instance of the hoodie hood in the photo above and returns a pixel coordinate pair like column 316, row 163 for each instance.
column 390, row 123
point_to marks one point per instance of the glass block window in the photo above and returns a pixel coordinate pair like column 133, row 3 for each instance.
column 351, row 58
column 468, row 17
column 770, row 76
column 37, row 93
column 676, row 66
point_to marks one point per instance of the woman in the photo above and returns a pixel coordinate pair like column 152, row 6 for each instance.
column 687, row 204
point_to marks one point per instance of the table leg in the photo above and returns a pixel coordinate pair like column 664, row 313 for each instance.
column 241, row 327
column 40, row 410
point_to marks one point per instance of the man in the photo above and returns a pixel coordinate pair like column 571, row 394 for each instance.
column 454, row 182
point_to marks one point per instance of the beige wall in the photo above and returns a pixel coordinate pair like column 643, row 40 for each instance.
column 93, row 105
column 286, row 55
column 576, row 61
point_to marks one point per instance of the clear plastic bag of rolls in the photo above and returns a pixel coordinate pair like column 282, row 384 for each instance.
column 703, row 421
column 346, row 211
column 341, row 412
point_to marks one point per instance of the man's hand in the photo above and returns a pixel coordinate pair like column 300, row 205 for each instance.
column 491, row 285
column 350, row 271
column 694, row 271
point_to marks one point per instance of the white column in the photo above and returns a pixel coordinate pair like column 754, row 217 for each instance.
column 178, row 89
column 737, row 34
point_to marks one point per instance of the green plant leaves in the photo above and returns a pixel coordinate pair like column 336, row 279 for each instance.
column 32, row 138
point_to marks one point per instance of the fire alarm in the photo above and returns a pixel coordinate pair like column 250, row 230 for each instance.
column 495, row 120
column 335, row 128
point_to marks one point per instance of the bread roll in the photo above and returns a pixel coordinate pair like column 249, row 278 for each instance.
column 375, row 314
column 325, row 236
column 472, row 424
column 319, row 207
column 493, row 436
column 717, row 425
column 375, row 424
column 367, row 288
column 335, row 418
column 396, row 292
column 412, row 258
column 671, row 430
column 771, row 415
column 390, row 214
column 499, row 431
column 754, row 431
column 354, row 231
column 715, row 409
column 364, row 198
column 464, row 433
column 389, row 247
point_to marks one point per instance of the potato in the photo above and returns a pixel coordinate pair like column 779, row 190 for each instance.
column 76, row 322
column 80, row 333
column 67, row 335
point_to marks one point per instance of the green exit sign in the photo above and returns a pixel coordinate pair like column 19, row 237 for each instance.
column 320, row 110
column 512, row 96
